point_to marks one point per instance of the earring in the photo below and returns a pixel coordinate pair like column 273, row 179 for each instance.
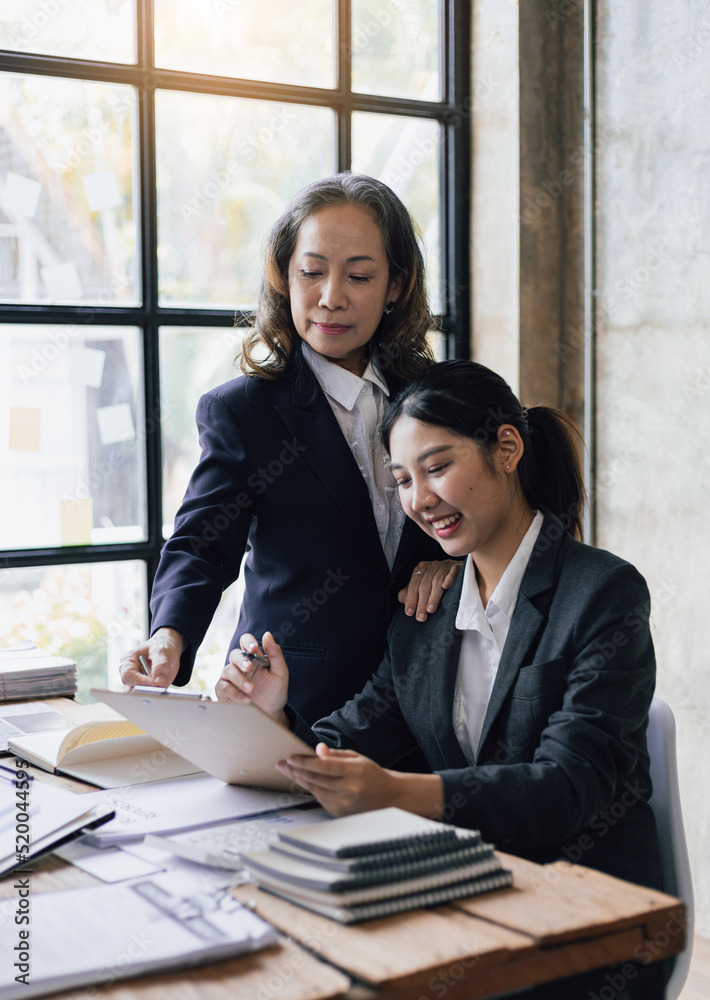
column 508, row 467
column 389, row 306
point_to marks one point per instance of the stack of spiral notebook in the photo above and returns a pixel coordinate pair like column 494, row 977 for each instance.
column 375, row 864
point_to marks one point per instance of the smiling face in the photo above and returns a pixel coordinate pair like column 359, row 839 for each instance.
column 447, row 487
column 339, row 283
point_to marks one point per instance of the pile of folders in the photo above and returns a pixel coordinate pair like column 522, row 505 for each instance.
column 375, row 864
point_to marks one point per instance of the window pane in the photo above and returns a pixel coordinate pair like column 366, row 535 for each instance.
column 395, row 48
column 192, row 361
column 405, row 154
column 92, row 612
column 72, row 436
column 226, row 169
column 67, row 230
column 79, row 29
column 284, row 41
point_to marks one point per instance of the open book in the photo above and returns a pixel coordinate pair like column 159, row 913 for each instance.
column 107, row 754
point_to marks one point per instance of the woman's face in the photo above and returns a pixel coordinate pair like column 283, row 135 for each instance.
column 447, row 487
column 339, row 283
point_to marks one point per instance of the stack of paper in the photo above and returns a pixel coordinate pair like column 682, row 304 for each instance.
column 36, row 817
column 376, row 863
column 28, row 672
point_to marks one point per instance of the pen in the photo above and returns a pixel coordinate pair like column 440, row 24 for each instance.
column 258, row 659
column 144, row 666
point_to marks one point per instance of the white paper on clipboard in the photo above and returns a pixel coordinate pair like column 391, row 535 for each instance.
column 238, row 743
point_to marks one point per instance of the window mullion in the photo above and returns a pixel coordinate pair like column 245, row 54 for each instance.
column 149, row 272
column 457, row 166
column 343, row 75
column 144, row 33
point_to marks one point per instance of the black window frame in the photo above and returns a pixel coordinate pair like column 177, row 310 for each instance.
column 452, row 112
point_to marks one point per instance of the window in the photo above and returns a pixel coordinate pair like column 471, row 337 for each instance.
column 145, row 148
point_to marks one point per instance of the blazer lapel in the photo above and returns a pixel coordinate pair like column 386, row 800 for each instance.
column 528, row 619
column 524, row 627
column 311, row 421
column 440, row 660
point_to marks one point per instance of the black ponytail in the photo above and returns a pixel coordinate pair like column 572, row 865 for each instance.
column 469, row 399
column 550, row 471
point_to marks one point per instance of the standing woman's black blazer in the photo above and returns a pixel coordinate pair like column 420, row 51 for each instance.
column 276, row 473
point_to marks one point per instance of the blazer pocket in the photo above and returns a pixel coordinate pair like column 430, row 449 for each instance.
column 306, row 666
column 540, row 679
column 539, row 689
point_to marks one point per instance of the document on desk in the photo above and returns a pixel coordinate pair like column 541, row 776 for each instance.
column 86, row 937
column 221, row 846
column 164, row 807
column 34, row 817
column 107, row 864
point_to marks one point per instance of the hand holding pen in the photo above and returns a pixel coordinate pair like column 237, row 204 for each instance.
column 250, row 658
column 152, row 689
column 155, row 661
column 256, row 675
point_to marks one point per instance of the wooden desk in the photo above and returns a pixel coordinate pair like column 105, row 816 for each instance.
column 555, row 921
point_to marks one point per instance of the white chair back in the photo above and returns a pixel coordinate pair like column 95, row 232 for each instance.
column 665, row 802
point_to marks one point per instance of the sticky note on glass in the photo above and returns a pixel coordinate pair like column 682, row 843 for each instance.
column 102, row 190
column 61, row 281
column 20, row 195
column 87, row 365
column 115, row 423
column 24, row 428
column 76, row 515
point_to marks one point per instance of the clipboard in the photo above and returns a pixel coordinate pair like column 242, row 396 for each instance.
column 240, row 744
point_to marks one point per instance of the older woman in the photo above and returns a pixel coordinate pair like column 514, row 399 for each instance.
column 292, row 465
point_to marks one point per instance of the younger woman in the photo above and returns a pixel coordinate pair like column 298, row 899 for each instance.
column 528, row 692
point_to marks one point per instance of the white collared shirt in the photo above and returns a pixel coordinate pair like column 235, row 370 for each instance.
column 485, row 632
column 359, row 405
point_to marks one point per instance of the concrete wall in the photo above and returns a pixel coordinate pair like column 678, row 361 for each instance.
column 653, row 352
